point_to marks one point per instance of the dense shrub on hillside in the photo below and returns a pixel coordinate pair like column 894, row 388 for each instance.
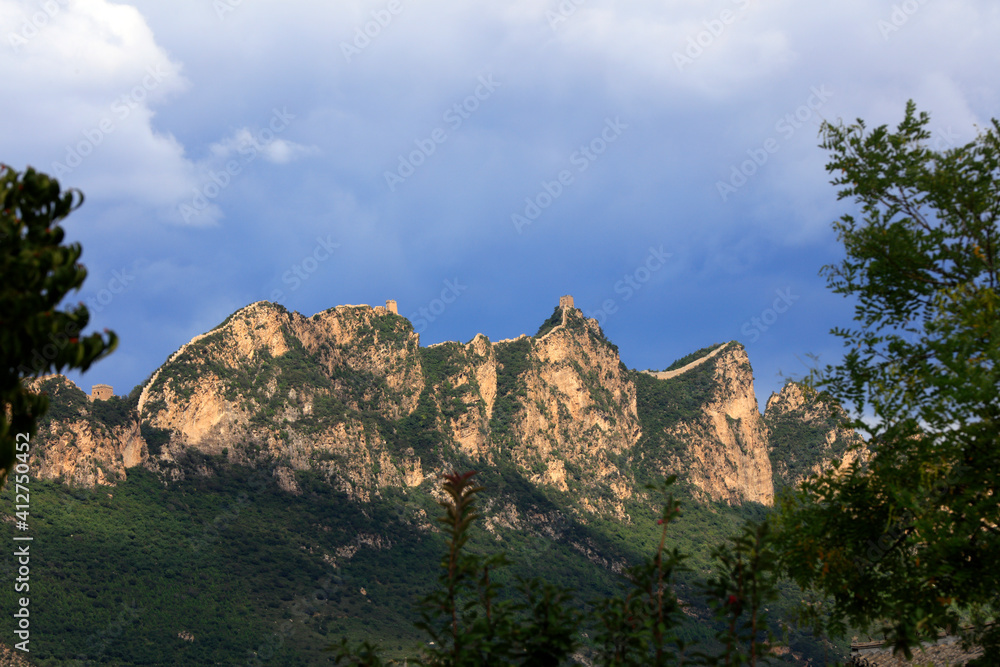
column 66, row 401
column 694, row 356
column 155, row 438
column 663, row 403
column 469, row 621
column 114, row 412
column 513, row 360
column 442, row 361
column 548, row 325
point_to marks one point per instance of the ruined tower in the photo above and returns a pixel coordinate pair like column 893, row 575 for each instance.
column 101, row 392
column 566, row 301
column 390, row 305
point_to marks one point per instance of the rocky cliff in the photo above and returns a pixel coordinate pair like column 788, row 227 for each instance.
column 350, row 395
column 806, row 435
column 308, row 393
column 705, row 419
column 84, row 443
column 566, row 410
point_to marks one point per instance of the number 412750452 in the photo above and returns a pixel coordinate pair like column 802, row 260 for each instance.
column 22, row 445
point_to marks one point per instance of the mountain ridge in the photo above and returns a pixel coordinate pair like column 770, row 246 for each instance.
column 349, row 392
column 284, row 451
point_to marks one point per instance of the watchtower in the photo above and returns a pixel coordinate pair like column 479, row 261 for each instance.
column 101, row 392
column 390, row 305
column 566, row 301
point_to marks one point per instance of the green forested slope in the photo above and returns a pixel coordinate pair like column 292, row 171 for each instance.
column 239, row 564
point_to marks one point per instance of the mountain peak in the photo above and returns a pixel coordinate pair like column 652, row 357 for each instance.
column 349, row 394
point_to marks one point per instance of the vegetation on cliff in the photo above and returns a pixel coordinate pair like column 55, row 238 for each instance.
column 470, row 621
column 513, row 361
column 555, row 319
column 805, row 435
column 247, row 569
column 694, row 356
column 37, row 272
column 308, row 404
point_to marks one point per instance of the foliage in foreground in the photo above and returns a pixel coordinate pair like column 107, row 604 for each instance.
column 38, row 271
column 908, row 542
column 469, row 622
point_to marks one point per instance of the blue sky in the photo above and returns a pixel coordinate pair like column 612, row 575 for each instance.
column 656, row 160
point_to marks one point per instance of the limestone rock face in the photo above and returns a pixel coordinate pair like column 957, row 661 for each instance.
column 463, row 380
column 366, row 342
column 79, row 448
column 725, row 452
column 737, row 423
column 350, row 395
column 268, row 384
column 806, row 436
column 272, row 384
column 85, row 453
column 579, row 407
column 557, row 405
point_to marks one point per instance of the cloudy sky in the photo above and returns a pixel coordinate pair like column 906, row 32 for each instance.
column 474, row 161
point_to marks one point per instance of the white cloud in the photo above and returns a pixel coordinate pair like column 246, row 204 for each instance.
column 281, row 151
column 688, row 127
column 247, row 144
column 86, row 75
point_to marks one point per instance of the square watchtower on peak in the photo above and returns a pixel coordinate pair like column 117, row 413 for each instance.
column 101, row 392
column 566, row 301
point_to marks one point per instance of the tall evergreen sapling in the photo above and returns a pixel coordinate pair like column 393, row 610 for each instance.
column 36, row 272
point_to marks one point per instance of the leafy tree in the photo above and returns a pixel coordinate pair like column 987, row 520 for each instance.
column 908, row 541
column 465, row 618
column 640, row 629
column 37, row 272
column 470, row 623
column 745, row 580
